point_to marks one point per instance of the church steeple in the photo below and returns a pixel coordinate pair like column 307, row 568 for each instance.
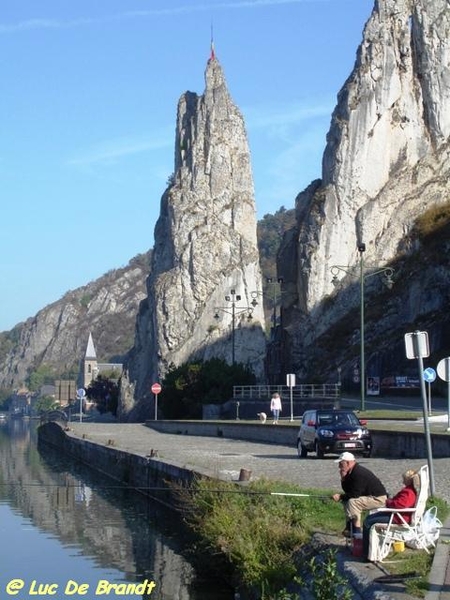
column 90, row 349
column 90, row 365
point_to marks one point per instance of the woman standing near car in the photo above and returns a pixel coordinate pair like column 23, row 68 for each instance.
column 275, row 407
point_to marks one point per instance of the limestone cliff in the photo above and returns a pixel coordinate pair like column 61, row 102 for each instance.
column 205, row 247
column 57, row 335
column 385, row 164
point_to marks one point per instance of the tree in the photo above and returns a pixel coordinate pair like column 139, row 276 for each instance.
column 44, row 374
column 5, row 397
column 45, row 403
column 271, row 229
column 185, row 389
column 105, row 393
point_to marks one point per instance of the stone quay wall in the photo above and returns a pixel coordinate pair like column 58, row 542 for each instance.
column 146, row 474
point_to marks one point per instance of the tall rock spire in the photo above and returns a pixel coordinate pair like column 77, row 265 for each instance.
column 386, row 161
column 393, row 113
column 205, row 246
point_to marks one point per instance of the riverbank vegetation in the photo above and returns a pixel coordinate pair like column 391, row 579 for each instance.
column 259, row 534
column 262, row 535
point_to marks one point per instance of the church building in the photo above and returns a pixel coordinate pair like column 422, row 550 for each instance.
column 91, row 368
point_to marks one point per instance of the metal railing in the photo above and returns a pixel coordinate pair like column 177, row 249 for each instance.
column 299, row 392
column 54, row 415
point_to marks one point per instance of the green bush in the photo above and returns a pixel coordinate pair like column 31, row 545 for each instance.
column 257, row 532
column 187, row 387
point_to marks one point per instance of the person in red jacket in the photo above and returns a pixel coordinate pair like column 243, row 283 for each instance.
column 405, row 498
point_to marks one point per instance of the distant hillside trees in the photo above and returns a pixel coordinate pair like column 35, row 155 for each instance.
column 271, row 229
column 43, row 375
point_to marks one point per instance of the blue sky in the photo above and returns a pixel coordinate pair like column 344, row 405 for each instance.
column 88, row 114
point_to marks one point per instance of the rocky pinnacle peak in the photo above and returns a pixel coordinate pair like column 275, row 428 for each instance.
column 205, row 244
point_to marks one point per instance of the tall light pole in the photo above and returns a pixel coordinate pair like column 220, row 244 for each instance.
column 365, row 271
column 234, row 311
column 275, row 285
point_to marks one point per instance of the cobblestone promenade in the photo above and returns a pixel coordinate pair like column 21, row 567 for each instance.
column 224, row 458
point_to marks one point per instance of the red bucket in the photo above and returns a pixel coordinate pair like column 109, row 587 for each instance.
column 357, row 545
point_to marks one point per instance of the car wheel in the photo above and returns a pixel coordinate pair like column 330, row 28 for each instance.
column 367, row 454
column 301, row 450
column 319, row 452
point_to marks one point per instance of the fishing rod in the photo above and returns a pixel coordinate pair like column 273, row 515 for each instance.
column 167, row 489
column 298, row 495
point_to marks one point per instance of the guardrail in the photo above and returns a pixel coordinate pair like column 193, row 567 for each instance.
column 299, row 392
column 54, row 415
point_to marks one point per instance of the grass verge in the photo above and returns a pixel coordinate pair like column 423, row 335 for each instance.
column 257, row 537
column 256, row 532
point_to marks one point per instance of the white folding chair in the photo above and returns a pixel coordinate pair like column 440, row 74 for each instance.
column 398, row 529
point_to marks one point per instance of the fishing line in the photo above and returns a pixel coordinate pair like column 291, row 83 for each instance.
column 166, row 489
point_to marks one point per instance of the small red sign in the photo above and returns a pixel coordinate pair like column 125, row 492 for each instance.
column 156, row 388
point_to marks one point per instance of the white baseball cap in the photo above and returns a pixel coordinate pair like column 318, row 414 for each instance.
column 345, row 456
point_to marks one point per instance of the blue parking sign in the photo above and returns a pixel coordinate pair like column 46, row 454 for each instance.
column 429, row 375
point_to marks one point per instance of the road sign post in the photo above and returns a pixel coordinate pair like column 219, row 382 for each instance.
column 81, row 393
column 290, row 382
column 443, row 370
column 417, row 346
column 429, row 376
column 156, row 389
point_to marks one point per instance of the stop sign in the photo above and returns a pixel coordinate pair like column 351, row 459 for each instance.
column 156, row 388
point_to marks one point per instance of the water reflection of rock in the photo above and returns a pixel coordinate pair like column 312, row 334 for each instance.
column 115, row 527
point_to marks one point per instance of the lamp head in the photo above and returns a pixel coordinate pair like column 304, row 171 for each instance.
column 389, row 282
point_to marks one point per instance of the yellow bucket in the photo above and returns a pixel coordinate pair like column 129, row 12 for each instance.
column 399, row 546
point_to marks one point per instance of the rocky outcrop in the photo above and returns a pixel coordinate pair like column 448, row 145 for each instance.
column 205, row 253
column 385, row 164
column 57, row 335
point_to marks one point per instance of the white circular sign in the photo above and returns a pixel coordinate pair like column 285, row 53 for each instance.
column 81, row 393
column 443, row 369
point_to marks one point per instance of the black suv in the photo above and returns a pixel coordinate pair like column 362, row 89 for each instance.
column 332, row 432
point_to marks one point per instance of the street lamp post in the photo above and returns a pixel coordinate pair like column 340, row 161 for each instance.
column 365, row 271
column 234, row 311
column 275, row 286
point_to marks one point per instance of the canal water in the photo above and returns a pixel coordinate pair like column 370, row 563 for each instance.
column 67, row 532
